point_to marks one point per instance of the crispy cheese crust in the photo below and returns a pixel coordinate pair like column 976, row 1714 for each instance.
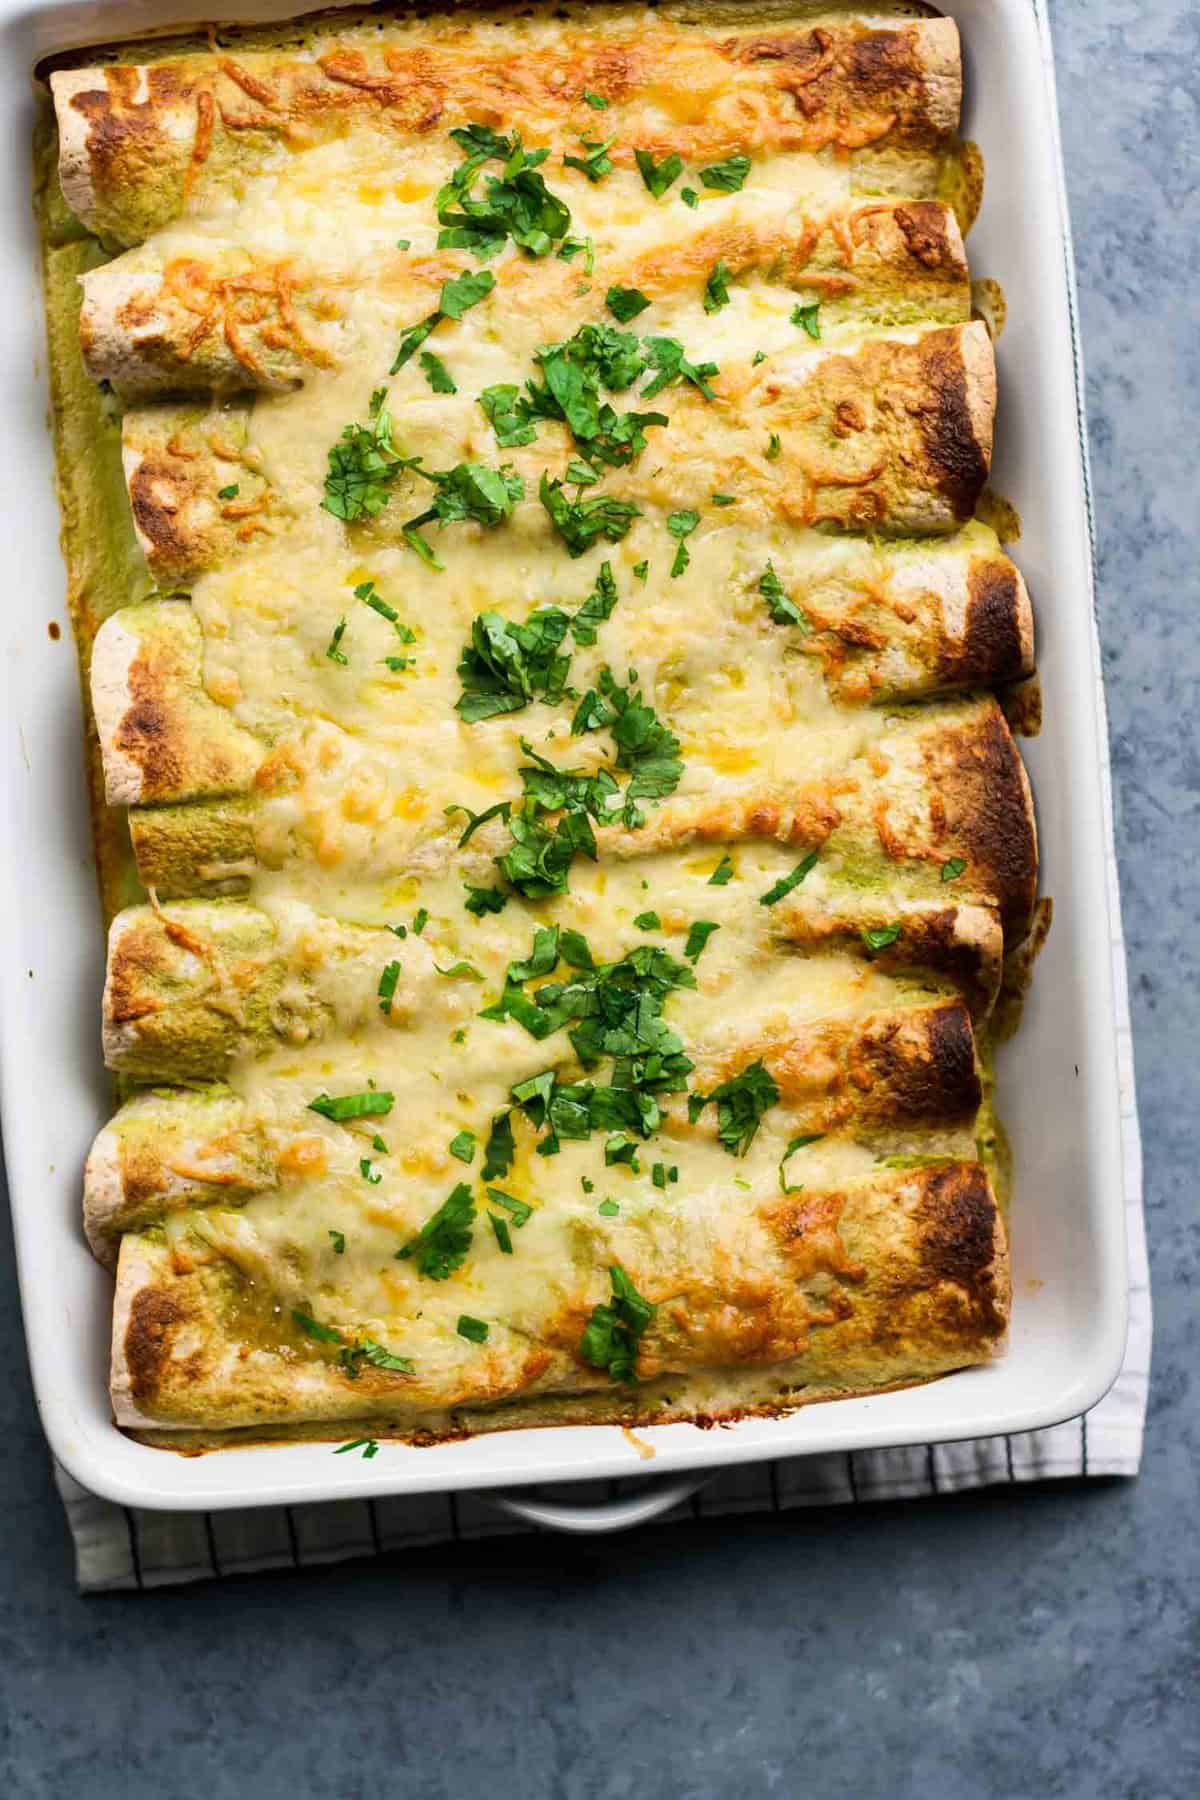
column 561, row 767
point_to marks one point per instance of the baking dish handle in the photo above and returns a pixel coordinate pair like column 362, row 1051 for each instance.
column 589, row 1518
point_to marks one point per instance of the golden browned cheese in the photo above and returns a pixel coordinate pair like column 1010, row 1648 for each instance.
column 558, row 687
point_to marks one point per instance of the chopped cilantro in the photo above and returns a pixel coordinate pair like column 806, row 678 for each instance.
column 716, row 288
column 806, row 316
column 723, row 872
column 469, row 491
column 625, row 303
column 698, row 935
column 442, row 1243
column 741, row 1103
column 681, row 525
column 582, row 523
column 229, row 493
column 501, row 1233
column 723, row 499
column 774, row 446
column 323, row 1334
column 340, row 1108
column 462, row 1146
column 481, row 900
column 500, row 1150
column 648, row 921
column 760, row 356
column 520, row 1211
column 518, row 204
column 786, row 883
column 437, row 374
column 641, row 570
column 658, row 176
column 690, row 197
column 597, row 101
column 781, row 609
column 508, row 414
column 794, row 1144
column 461, row 971
column 338, row 1240
column 597, row 163
column 614, row 1332
column 378, row 1355
column 878, row 937
column 727, row 177
column 953, row 869
column 363, row 464
column 368, row 1171
column 333, row 649
column 475, row 1330
column 420, row 921
column 387, row 986
column 368, row 1446
column 608, row 1209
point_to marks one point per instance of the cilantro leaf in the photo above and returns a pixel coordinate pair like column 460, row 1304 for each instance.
column 786, row 883
column 658, row 176
column 500, row 1149
column 740, row 1103
column 953, row 869
column 363, row 464
column 322, row 1334
column 597, row 163
column 729, row 176
column 481, row 900
column 518, row 204
column 508, row 414
column 625, row 303
column 794, row 1144
column 806, row 316
column 462, row 1146
column 716, row 288
column 879, row 937
column 582, row 523
column 681, row 525
column 441, row 1245
column 698, row 935
column 781, row 609
column 373, row 1104
column 613, row 1333
column 387, row 986
column 437, row 374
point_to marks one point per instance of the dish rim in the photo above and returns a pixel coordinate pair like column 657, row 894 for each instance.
column 72, row 1404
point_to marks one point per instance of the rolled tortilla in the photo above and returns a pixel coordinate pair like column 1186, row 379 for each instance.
column 879, row 625
column 234, row 320
column 893, row 437
column 834, row 1290
column 161, row 734
column 142, row 145
column 943, row 786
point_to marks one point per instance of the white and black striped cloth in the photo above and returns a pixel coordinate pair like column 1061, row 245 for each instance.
column 118, row 1547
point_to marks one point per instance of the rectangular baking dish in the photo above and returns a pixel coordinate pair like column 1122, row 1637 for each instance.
column 1058, row 1080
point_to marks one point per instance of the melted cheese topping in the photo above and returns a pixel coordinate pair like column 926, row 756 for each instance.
column 366, row 760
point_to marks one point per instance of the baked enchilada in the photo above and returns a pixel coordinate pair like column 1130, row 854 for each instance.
column 523, row 478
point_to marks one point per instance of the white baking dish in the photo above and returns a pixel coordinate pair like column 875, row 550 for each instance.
column 1058, row 1080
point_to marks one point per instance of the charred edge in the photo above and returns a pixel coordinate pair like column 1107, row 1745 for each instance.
column 126, row 144
column 923, row 226
column 153, row 1317
column 145, row 732
column 139, row 961
column 933, row 941
column 957, row 458
column 159, row 521
column 927, row 1072
column 958, row 1223
column 994, row 646
column 978, row 772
